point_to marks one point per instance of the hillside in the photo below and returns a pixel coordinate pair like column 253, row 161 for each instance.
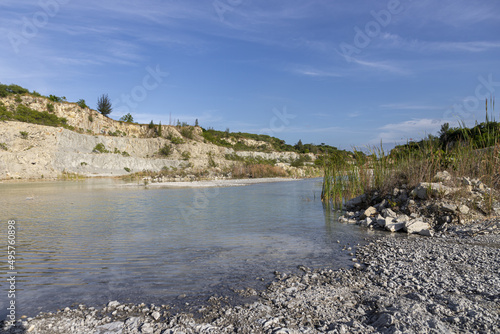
column 47, row 137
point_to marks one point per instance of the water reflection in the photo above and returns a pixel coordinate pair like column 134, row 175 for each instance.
column 90, row 242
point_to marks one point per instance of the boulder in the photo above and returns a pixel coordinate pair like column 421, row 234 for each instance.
column 388, row 213
column 394, row 227
column 356, row 201
column 442, row 176
column 415, row 226
column 371, row 211
column 424, row 190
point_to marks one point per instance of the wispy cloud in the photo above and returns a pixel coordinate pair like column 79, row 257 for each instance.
column 314, row 72
column 409, row 106
column 408, row 130
column 382, row 66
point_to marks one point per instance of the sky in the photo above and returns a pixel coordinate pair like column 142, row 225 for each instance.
column 344, row 73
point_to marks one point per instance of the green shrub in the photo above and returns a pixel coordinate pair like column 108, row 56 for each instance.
column 50, row 107
column 18, row 99
column 56, row 99
column 125, row 154
column 3, row 146
column 186, row 155
column 100, row 148
column 127, row 169
column 166, row 150
column 187, row 132
column 127, row 118
column 81, row 103
column 91, row 119
column 24, row 134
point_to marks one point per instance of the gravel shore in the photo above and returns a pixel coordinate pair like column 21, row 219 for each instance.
column 446, row 284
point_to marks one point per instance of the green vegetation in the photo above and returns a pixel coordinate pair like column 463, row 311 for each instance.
column 127, row 118
column 175, row 140
column 211, row 160
column 187, row 132
column 186, row 155
column 470, row 152
column 56, row 99
column 24, row 134
column 104, row 105
column 166, row 150
column 3, row 146
column 24, row 114
column 50, row 107
column 127, row 169
column 6, row 90
column 100, row 148
column 81, row 103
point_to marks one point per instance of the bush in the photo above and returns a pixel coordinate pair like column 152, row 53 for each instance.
column 104, row 105
column 24, row 134
column 127, row 169
column 3, row 146
column 50, row 107
column 100, row 148
column 166, row 150
column 81, row 103
column 127, row 118
column 56, row 99
column 186, row 155
column 187, row 132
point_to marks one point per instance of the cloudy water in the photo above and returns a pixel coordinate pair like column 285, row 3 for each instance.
column 94, row 241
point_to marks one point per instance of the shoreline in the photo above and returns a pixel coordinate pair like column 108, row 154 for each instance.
column 414, row 284
column 213, row 183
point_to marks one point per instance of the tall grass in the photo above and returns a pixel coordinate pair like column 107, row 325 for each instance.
column 475, row 154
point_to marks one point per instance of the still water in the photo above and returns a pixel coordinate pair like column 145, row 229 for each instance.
column 94, row 241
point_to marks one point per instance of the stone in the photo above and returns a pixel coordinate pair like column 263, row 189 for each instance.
column 424, row 190
column 442, row 176
column 111, row 328
column 415, row 226
column 463, row 209
column 155, row 315
column 371, row 211
column 448, row 207
column 113, row 304
column 354, row 202
column 394, row 227
column 388, row 213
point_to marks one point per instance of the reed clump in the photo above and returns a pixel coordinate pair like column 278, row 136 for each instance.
column 462, row 151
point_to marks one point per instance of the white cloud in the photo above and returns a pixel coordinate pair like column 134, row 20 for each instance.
column 414, row 129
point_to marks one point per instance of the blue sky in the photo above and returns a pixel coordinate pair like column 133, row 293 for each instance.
column 344, row 73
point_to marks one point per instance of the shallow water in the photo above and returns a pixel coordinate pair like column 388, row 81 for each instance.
column 93, row 241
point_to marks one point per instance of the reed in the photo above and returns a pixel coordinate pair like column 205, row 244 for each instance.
column 470, row 152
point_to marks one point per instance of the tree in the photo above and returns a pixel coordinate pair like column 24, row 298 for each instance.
column 196, row 122
column 159, row 129
column 299, row 146
column 127, row 118
column 104, row 105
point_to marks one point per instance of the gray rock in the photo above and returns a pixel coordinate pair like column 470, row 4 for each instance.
column 394, row 227
column 415, row 226
column 424, row 190
column 111, row 328
column 356, row 201
column 113, row 304
column 463, row 209
column 442, row 176
column 371, row 211
column 388, row 213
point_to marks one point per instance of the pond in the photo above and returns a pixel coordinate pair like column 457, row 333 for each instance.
column 93, row 241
